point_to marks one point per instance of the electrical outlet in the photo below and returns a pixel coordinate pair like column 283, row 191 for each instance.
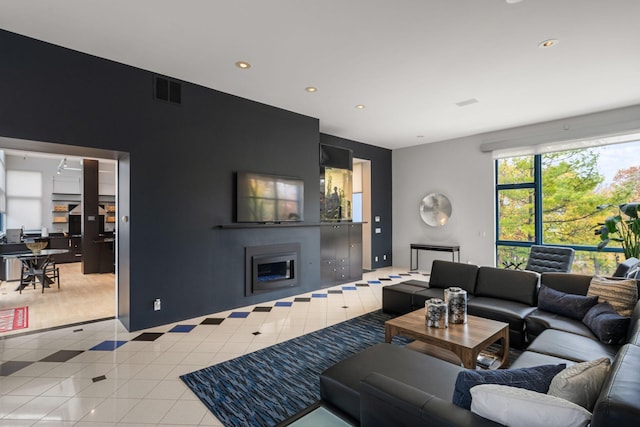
column 376, row 259
column 156, row 304
column 384, row 257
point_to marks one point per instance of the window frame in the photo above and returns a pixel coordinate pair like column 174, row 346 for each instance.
column 536, row 185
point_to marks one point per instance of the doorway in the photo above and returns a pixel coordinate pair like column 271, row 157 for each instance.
column 362, row 205
column 82, row 297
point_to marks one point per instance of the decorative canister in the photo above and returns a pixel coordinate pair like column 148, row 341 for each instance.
column 436, row 313
column 456, row 300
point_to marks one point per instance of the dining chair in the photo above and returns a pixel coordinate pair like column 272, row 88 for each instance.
column 28, row 275
column 33, row 271
column 52, row 272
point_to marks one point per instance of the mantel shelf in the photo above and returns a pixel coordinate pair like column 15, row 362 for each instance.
column 236, row 226
column 267, row 225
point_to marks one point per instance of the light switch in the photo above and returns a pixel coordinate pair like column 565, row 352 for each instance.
column 378, row 230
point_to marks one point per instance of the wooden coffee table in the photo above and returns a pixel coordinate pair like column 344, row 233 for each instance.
column 465, row 340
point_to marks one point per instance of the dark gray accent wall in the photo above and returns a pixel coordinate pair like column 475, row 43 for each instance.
column 381, row 193
column 176, row 173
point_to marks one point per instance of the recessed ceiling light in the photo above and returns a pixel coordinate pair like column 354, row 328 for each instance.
column 242, row 64
column 360, row 107
column 311, row 89
column 548, row 43
column 513, row 1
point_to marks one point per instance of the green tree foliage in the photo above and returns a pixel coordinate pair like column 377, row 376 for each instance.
column 516, row 207
column 570, row 195
column 626, row 185
column 572, row 188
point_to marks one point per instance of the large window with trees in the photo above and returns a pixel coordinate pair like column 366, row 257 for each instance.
column 553, row 198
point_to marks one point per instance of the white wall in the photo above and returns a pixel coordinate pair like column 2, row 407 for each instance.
column 459, row 170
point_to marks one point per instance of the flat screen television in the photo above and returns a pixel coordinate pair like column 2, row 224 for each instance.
column 264, row 198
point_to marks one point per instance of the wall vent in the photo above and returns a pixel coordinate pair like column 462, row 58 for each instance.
column 168, row 90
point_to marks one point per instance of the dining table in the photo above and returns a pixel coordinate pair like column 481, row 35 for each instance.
column 35, row 262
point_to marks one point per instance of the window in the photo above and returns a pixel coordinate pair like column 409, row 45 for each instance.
column 24, row 199
column 552, row 199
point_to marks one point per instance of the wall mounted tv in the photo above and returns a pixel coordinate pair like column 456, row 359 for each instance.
column 264, row 198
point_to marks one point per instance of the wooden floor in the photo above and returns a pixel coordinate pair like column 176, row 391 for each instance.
column 81, row 297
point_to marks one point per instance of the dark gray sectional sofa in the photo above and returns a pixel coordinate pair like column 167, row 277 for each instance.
column 505, row 295
column 389, row 385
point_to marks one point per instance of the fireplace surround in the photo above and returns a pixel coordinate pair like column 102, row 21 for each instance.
column 271, row 267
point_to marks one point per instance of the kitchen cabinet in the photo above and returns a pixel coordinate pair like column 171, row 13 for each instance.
column 73, row 244
column 341, row 253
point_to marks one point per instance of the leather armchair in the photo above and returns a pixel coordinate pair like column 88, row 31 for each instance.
column 543, row 259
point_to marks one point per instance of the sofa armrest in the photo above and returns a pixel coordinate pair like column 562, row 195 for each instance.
column 618, row 403
column 387, row 402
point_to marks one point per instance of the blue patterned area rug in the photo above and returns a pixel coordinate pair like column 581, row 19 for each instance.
column 268, row 386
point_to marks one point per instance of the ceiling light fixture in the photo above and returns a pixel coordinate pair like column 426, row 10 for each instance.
column 311, row 89
column 548, row 43
column 360, row 107
column 243, row 65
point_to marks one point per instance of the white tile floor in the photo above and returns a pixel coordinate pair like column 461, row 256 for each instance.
column 142, row 385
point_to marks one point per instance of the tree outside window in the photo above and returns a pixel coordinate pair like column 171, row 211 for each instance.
column 572, row 185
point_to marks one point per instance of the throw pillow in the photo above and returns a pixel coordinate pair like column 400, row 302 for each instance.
column 518, row 407
column 569, row 305
column 622, row 294
column 536, row 378
column 581, row 383
column 607, row 324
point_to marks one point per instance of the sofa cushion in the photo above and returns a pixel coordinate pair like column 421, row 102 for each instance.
column 607, row 324
column 536, row 378
column 397, row 298
column 622, row 294
column 517, row 407
column 531, row 358
column 510, row 312
column 581, row 383
column 501, row 310
column 445, row 274
column 571, row 346
column 565, row 304
column 419, row 298
column 540, row 320
column 512, row 285
column 570, row 283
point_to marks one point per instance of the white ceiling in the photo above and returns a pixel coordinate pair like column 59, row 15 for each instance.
column 408, row 61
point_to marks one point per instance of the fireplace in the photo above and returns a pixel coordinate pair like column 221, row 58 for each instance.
column 271, row 267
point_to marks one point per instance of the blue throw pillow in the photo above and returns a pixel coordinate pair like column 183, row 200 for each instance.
column 569, row 305
column 605, row 322
column 536, row 378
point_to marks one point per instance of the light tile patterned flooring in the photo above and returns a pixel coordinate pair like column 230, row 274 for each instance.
column 98, row 374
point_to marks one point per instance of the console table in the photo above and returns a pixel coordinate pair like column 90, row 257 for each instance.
column 438, row 248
